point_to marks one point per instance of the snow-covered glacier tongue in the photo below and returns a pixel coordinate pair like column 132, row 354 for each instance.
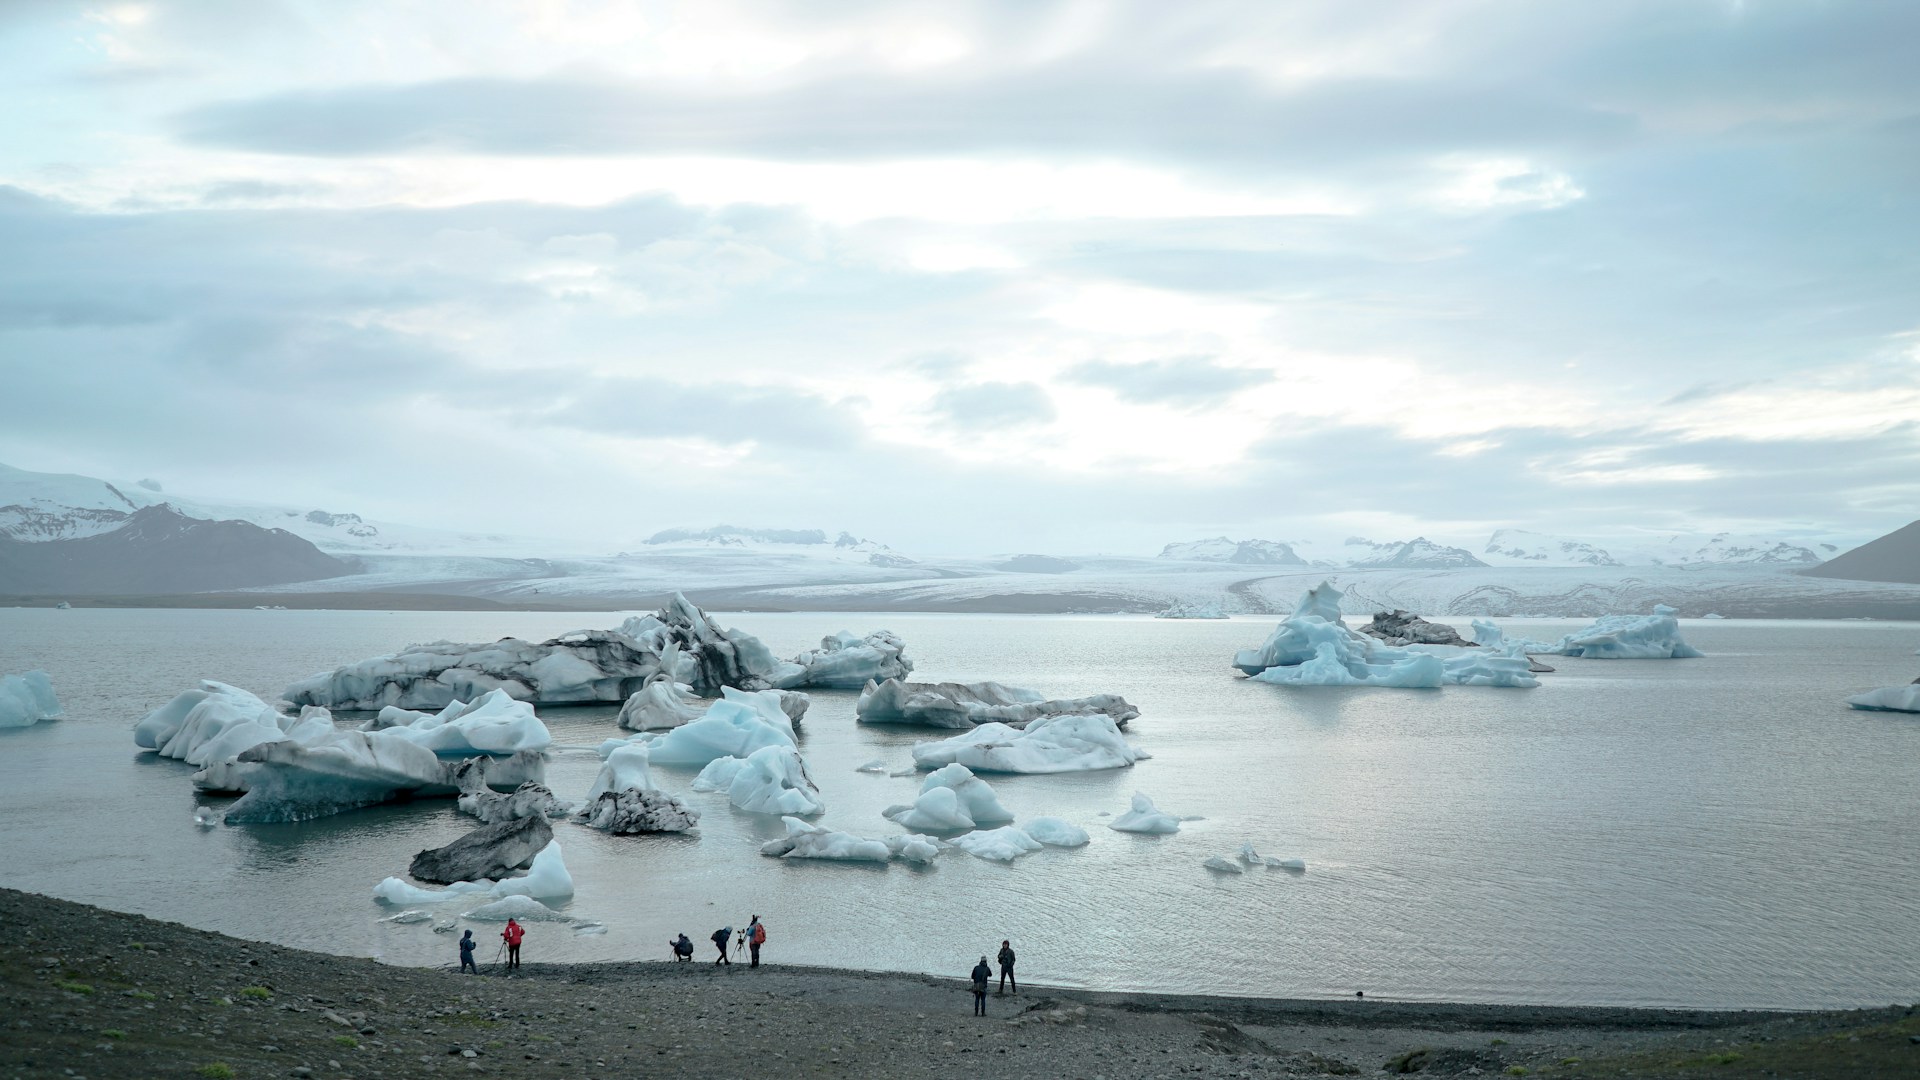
column 1314, row 647
column 578, row 668
column 25, row 700
column 967, row 705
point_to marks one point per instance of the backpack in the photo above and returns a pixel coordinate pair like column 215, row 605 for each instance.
column 759, row 933
column 720, row 936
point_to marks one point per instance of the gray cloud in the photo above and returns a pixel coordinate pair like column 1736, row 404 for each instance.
column 993, row 405
column 1186, row 381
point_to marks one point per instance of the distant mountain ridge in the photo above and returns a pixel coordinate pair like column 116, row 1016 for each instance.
column 157, row 549
column 1249, row 552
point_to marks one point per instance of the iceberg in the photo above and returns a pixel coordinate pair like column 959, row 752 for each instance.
column 291, row 780
column 1630, row 637
column 1889, row 699
column 546, row 879
column 1313, row 647
column 490, row 851
column 951, row 799
column 1052, row 744
column 804, row 841
column 661, row 705
column 585, row 666
column 771, row 780
column 527, row 800
column 845, row 662
column 734, row 726
column 913, row 848
column 25, row 700
column 966, row 705
column 1144, row 817
column 1224, row 865
column 215, row 722
column 520, row 908
column 1056, row 832
column 1003, row 844
column 494, row 723
column 625, row 802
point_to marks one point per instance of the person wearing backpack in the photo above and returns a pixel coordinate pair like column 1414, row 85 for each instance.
column 720, row 939
column 756, row 937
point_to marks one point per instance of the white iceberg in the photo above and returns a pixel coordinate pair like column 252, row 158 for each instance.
column 913, row 848
column 493, row 723
column 1297, row 865
column 679, row 640
column 1889, row 699
column 1144, row 817
column 951, row 799
column 625, row 802
column 1630, row 637
column 966, row 705
column 1056, row 832
column 546, row 879
column 216, row 722
column 25, row 700
column 771, row 780
column 845, row 662
column 1004, row 844
column 1313, row 647
column 1052, row 744
column 1224, row 865
column 734, row 726
column 804, row 841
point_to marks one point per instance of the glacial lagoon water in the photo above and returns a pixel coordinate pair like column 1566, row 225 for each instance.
column 1714, row 832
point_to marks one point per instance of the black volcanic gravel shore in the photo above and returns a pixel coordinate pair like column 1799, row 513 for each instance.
column 96, row 994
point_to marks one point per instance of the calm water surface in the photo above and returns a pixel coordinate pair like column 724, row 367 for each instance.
column 1714, row 832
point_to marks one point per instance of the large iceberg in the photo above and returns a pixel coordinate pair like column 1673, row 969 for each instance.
column 1144, row 817
column 215, row 722
column 1889, row 699
column 585, row 666
column 1052, row 744
column 734, row 726
column 771, row 780
column 1630, row 637
column 966, row 705
column 546, row 879
column 625, row 802
column 25, row 700
column 845, row 662
column 1314, row 647
column 291, row 780
column 493, row 723
column 951, row 799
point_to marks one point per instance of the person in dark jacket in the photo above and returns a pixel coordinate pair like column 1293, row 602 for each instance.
column 981, row 973
column 1006, row 968
column 466, row 954
column 682, row 947
column 721, row 938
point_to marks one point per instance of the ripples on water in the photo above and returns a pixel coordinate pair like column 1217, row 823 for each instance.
column 1710, row 832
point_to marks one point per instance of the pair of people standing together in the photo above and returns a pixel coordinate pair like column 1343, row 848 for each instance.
column 982, row 974
column 755, row 934
column 510, row 938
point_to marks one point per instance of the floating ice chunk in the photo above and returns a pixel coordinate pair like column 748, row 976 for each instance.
column 846, row 662
column 546, row 878
column 965, row 705
column 25, row 700
column 395, row 890
column 1224, row 865
column 590, row 929
column 293, row 781
column 527, row 800
column 1248, row 855
column 913, row 848
column 661, row 705
column 1051, row 744
column 1889, row 699
column 490, row 851
column 679, row 640
column 213, row 723
column 771, row 780
column 1003, row 844
column 874, row 766
column 410, row 916
column 520, row 908
column 1296, row 865
column 938, row 810
column 625, row 802
column 1630, row 637
column 1192, row 609
column 951, row 798
column 205, row 817
column 1313, row 647
column 733, row 727
column 494, row 723
column 804, row 841
column 1144, row 818
column 1056, row 832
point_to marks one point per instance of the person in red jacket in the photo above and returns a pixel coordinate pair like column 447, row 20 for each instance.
column 512, row 936
column 756, row 937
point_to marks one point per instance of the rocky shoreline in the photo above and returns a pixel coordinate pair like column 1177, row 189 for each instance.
column 95, row 994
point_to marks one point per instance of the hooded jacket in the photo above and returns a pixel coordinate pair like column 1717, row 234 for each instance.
column 981, row 973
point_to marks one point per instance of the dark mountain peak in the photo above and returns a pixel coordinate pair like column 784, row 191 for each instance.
column 1893, row 557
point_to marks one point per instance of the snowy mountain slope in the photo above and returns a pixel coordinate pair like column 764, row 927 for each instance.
column 37, row 507
column 1245, row 552
column 1419, row 552
column 1519, row 547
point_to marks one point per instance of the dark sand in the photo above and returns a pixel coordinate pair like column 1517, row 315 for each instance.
column 98, row 994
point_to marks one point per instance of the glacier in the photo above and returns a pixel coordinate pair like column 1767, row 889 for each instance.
column 1191, row 609
column 624, row 801
column 951, row 799
column 1052, row 744
column 1144, row 817
column 1314, row 647
column 25, row 700
column 771, row 780
column 1889, row 699
column 966, row 705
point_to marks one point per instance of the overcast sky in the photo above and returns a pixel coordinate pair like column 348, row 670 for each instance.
column 974, row 277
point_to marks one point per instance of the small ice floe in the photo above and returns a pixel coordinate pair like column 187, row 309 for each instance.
column 410, row 916
column 205, row 817
column 1144, row 818
column 521, row 908
column 1057, row 832
column 1297, row 866
column 25, row 700
column 874, row 766
column 1224, row 865
column 588, row 929
column 1004, row 844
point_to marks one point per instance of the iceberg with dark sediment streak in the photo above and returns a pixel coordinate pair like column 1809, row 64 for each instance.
column 625, row 802
column 290, row 780
column 966, row 705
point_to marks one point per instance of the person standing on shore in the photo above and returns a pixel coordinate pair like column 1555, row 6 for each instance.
column 466, row 954
column 1006, row 968
column 981, row 973
column 513, row 935
column 721, row 938
column 756, row 937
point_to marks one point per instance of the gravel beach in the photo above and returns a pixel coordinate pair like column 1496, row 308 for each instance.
column 96, row 994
